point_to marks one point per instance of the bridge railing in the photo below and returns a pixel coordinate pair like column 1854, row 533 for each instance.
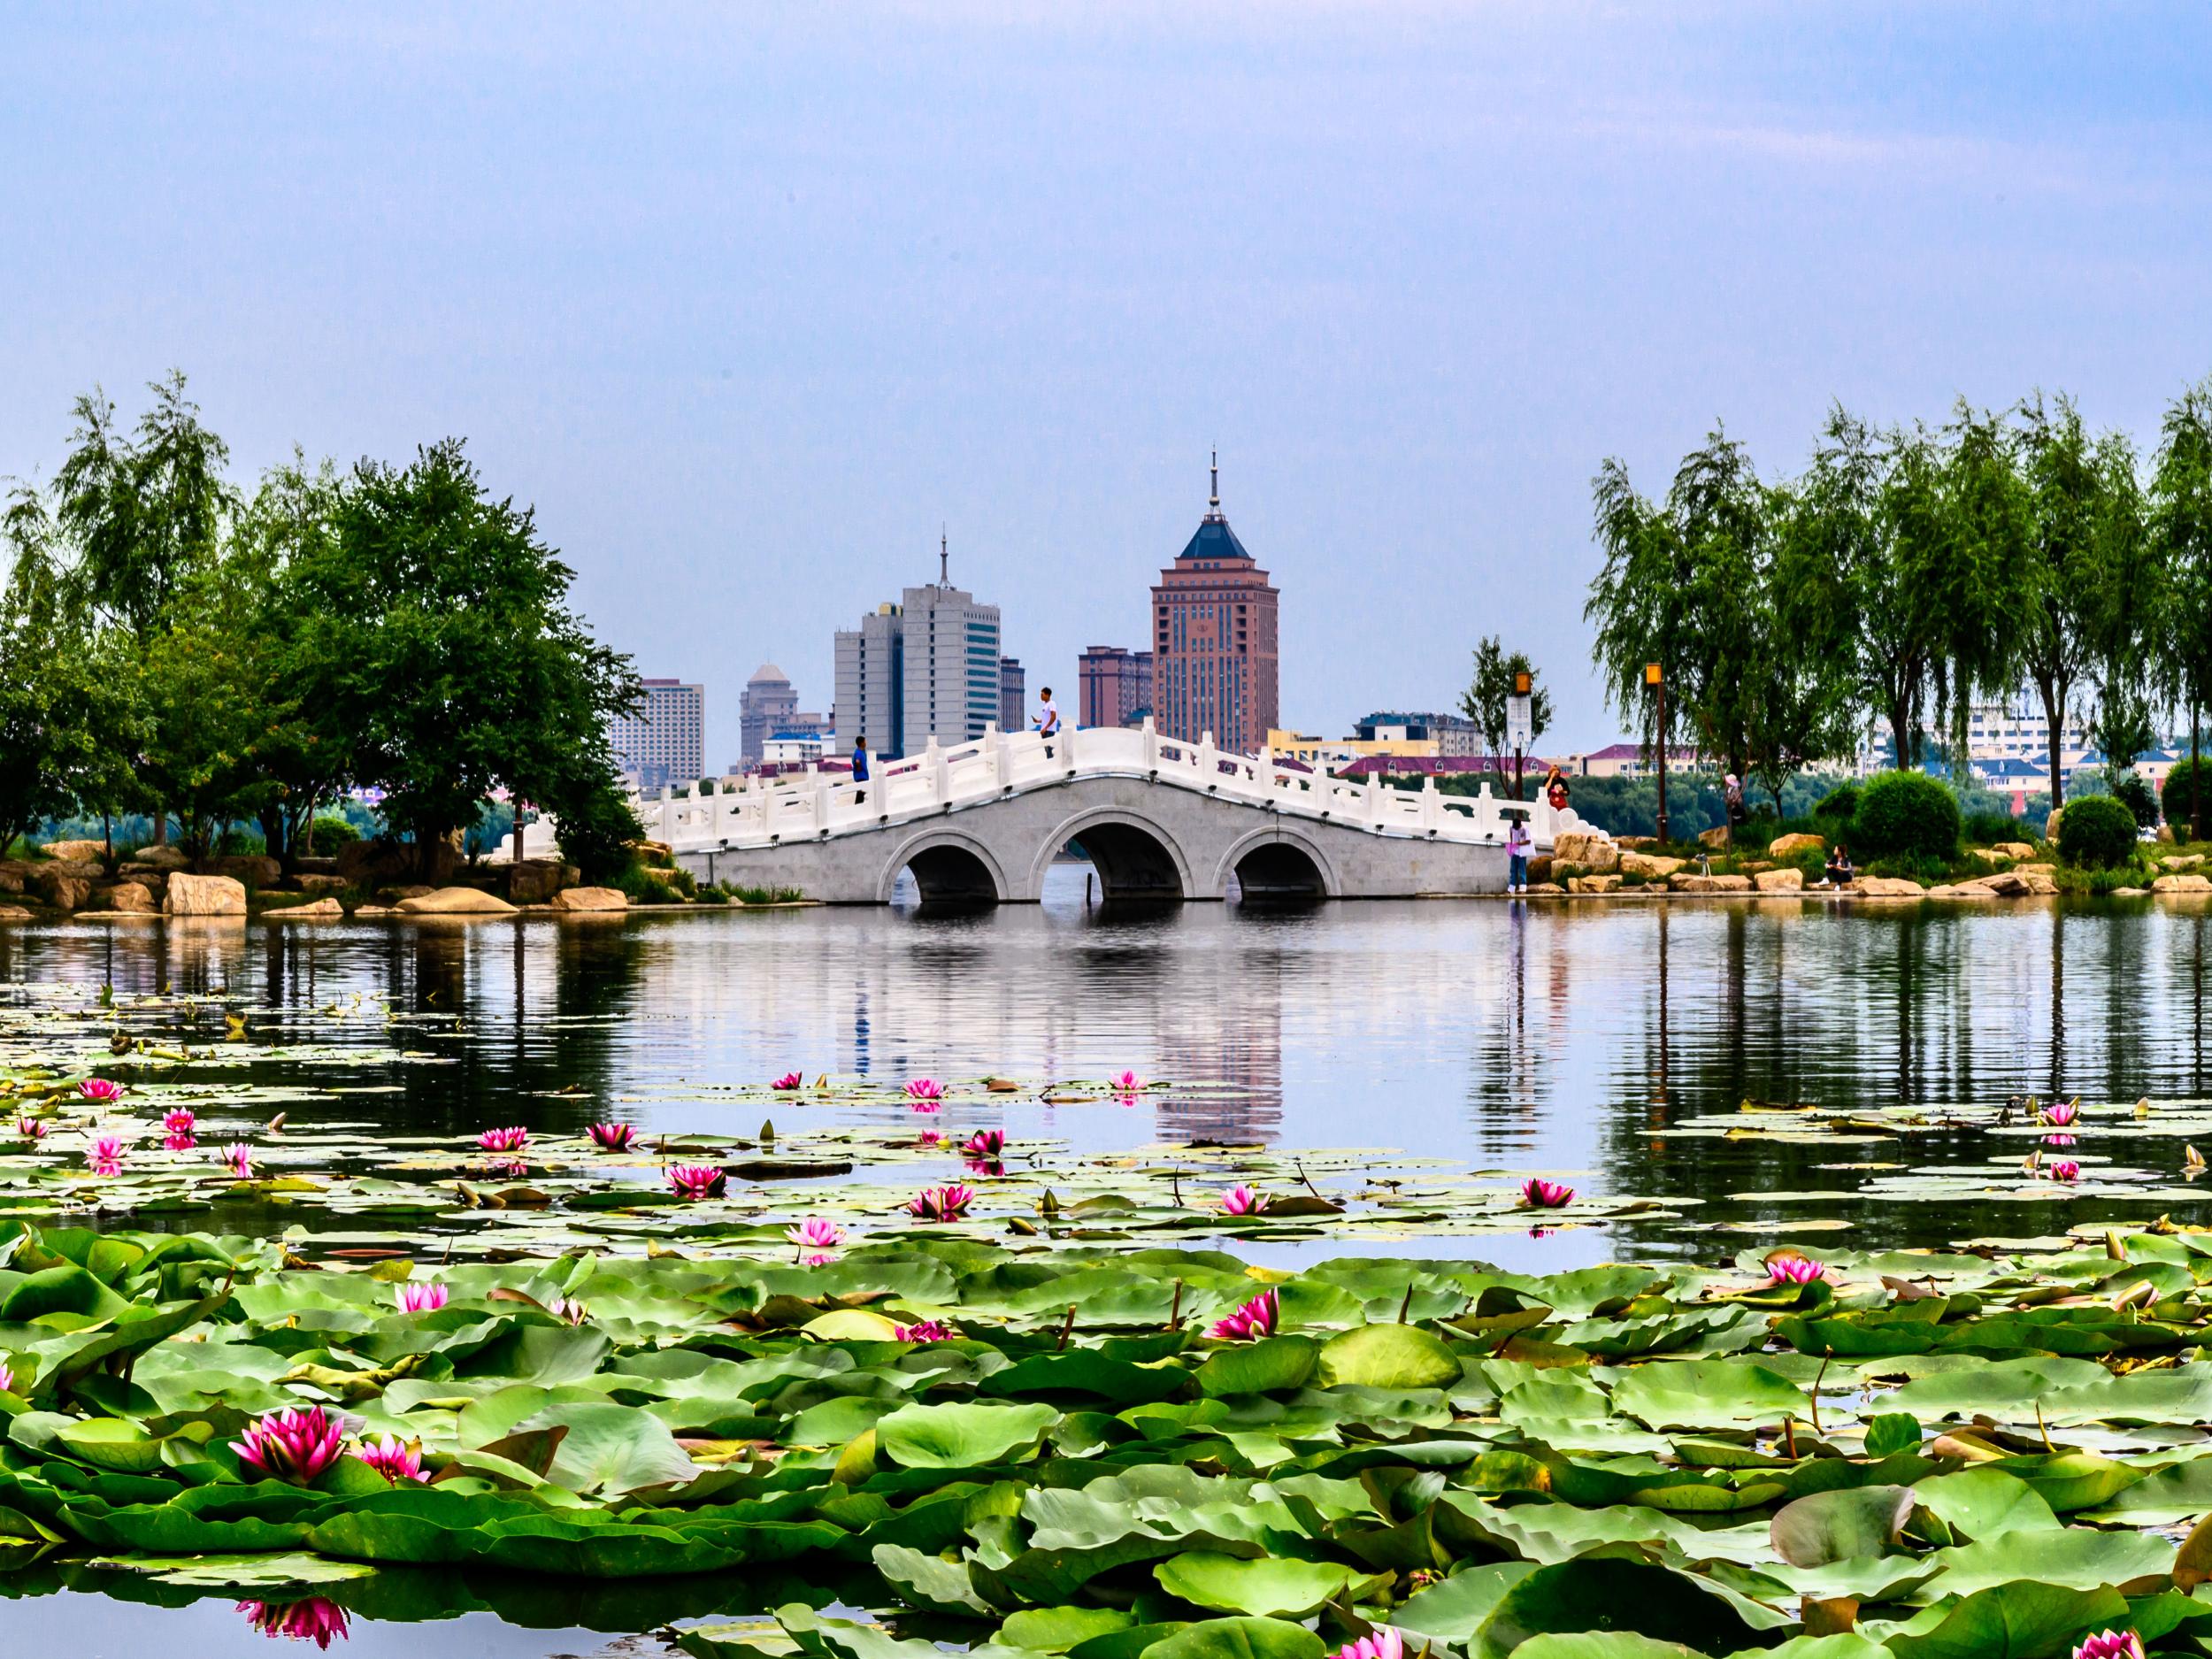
column 756, row 811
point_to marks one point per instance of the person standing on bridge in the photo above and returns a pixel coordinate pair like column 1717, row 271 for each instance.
column 860, row 770
column 1047, row 725
column 1516, row 846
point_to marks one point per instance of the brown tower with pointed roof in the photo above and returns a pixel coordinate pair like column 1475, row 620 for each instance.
column 1213, row 640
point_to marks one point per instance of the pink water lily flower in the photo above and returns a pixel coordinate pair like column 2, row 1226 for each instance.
column 1386, row 1643
column 1127, row 1082
column 294, row 1445
column 180, row 1143
column 100, row 1091
column 2111, row 1644
column 696, row 1180
column 1243, row 1200
column 927, row 1331
column 2062, row 1114
column 512, row 1139
column 611, row 1137
column 816, row 1236
column 30, row 1129
column 395, row 1459
column 924, row 1095
column 107, row 1156
column 1542, row 1194
column 239, row 1156
column 787, row 1081
column 569, row 1309
column 1254, row 1320
column 930, row 1138
column 7, row 1378
column 317, row 1619
column 1795, row 1270
column 941, row 1203
column 984, row 1143
column 179, row 1122
column 423, row 1296
column 2062, row 1170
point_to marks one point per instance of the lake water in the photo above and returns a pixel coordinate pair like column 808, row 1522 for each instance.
column 1577, row 1040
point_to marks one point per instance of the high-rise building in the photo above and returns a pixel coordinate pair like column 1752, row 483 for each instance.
column 1116, row 685
column 769, row 706
column 664, row 742
column 1013, row 695
column 1454, row 734
column 1213, row 640
column 925, row 667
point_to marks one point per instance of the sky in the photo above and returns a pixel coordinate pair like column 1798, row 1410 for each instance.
column 750, row 301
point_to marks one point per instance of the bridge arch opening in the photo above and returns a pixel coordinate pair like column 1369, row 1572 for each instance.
column 1280, row 872
column 1131, row 863
column 950, row 877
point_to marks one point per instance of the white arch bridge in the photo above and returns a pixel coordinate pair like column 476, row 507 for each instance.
column 981, row 823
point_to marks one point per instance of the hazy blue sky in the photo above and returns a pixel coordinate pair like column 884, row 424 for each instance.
column 748, row 299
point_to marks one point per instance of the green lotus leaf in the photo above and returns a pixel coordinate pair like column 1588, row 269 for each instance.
column 1984, row 1503
column 1263, row 1588
column 611, row 1449
column 1386, row 1356
column 1841, row 1526
column 1602, row 1593
column 2018, row 1620
column 1058, row 1629
column 956, row 1436
column 1707, row 1394
column 1234, row 1638
column 1455, row 1609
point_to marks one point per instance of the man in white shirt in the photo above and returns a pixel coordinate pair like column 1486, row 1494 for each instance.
column 1047, row 725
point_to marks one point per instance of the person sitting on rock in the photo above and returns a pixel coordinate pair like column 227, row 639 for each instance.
column 1838, row 872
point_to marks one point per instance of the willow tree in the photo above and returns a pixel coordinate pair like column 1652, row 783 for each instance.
column 2180, row 526
column 1979, row 571
column 2066, row 513
column 1486, row 699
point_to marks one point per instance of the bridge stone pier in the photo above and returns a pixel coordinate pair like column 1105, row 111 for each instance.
column 982, row 822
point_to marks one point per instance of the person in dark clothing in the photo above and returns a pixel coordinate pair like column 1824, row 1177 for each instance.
column 860, row 769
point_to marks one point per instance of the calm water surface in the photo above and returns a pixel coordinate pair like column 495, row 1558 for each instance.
column 1521, row 1038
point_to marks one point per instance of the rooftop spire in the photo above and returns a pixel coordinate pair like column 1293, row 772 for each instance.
column 944, row 559
column 1213, row 501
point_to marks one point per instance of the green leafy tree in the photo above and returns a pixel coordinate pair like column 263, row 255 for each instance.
column 1486, row 699
column 435, row 629
column 2180, row 527
column 2066, row 542
column 1980, row 572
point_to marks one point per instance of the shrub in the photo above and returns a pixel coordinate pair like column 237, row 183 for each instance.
column 2174, row 794
column 1903, row 812
column 2132, row 790
column 2096, row 831
column 1841, row 801
column 1985, row 827
column 328, row 835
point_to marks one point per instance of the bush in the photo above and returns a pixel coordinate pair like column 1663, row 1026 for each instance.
column 1985, row 827
column 2096, row 831
column 1902, row 812
column 595, row 828
column 328, row 835
column 1841, row 801
column 2132, row 791
column 2176, row 791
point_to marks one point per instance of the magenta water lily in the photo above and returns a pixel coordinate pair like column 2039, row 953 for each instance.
column 1542, row 1194
column 926, row 1330
column 179, row 1122
column 1795, row 1270
column 1251, row 1321
column 30, row 1129
column 941, row 1203
column 924, row 1095
column 2064, row 1114
column 2062, row 1170
column 395, row 1459
column 984, row 1143
column 107, row 1156
column 317, row 1619
column 100, row 1091
column 789, row 1080
column 425, row 1296
column 294, row 1446
column 816, row 1237
column 239, row 1156
column 1384, row 1643
column 2111, row 1644
column 1243, row 1200
column 7, row 1378
column 612, row 1137
column 696, row 1180
column 512, row 1139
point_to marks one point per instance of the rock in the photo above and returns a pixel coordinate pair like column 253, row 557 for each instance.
column 2035, row 869
column 322, row 884
column 1540, row 868
column 1790, row 846
column 313, row 910
column 362, row 911
column 15, row 913
column 456, row 902
column 153, row 878
column 2050, row 825
column 2128, row 892
column 1887, row 887
column 161, row 855
column 2165, row 836
column 1533, row 886
column 255, row 869
column 2014, row 850
column 1960, row 890
column 1717, row 836
column 535, row 880
column 658, row 854
column 1989, row 854
column 2005, row 884
column 13, row 873
column 1652, row 866
column 1635, row 843
column 204, row 896
column 2181, row 861
column 1780, row 881
column 1596, row 854
column 133, row 897
column 76, row 852
column 1592, row 884
column 577, row 899
column 60, row 888
column 2182, row 883
column 1685, row 882
column 2038, row 886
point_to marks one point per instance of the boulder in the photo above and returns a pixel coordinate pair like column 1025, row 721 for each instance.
column 60, row 887
column 1780, row 881
column 2050, row 825
column 132, row 897
column 1545, row 887
column 2014, row 850
column 2181, row 861
column 399, row 894
column 153, row 878
column 2035, row 869
column 1685, row 882
column 659, row 855
column 2166, row 834
column 535, row 880
column 1595, row 854
column 373, row 911
column 2182, row 883
column 204, row 896
column 161, row 855
column 456, row 902
column 1651, row 866
column 13, row 874
column 2128, row 892
column 256, row 870
column 312, row 883
column 1717, row 836
column 15, row 913
column 1791, row 846
column 313, row 910
column 1887, row 887
column 1989, row 854
column 1592, row 884
column 579, row 899
column 2005, row 884
column 1637, row 842
column 1960, row 890
column 74, row 852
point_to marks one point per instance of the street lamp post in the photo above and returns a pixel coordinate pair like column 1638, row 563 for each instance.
column 1521, row 719
column 1657, row 682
